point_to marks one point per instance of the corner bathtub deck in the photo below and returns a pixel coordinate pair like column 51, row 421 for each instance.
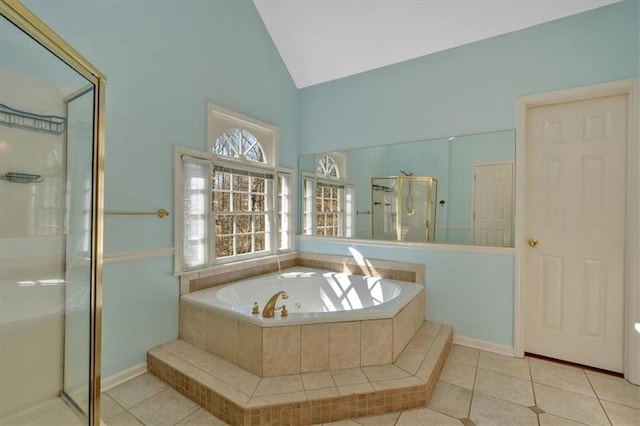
column 239, row 397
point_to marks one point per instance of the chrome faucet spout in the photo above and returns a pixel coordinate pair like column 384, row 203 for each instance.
column 270, row 306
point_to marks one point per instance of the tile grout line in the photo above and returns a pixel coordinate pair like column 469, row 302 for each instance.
column 533, row 389
column 473, row 387
column 597, row 396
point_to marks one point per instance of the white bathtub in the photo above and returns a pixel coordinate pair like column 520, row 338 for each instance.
column 315, row 296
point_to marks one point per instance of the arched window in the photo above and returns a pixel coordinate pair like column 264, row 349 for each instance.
column 241, row 144
column 327, row 167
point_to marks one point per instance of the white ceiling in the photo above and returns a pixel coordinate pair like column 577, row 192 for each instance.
column 322, row 40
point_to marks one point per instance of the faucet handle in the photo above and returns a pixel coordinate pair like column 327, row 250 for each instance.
column 256, row 309
column 284, row 312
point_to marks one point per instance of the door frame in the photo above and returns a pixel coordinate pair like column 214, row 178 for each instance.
column 630, row 88
column 473, row 196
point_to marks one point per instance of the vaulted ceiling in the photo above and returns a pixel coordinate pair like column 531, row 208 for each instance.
column 323, row 40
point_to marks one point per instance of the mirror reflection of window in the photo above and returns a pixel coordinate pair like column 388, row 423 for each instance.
column 327, row 200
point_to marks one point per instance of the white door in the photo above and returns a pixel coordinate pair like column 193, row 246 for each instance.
column 575, row 225
column 493, row 204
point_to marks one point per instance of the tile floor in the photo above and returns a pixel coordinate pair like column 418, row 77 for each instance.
column 475, row 387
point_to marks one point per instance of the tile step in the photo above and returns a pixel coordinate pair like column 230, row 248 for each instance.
column 239, row 397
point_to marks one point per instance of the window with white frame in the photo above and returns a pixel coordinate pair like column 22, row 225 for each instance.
column 327, row 199
column 234, row 202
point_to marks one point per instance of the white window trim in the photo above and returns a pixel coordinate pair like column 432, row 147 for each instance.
column 290, row 173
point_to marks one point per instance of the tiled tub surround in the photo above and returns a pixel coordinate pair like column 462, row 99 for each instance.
column 241, row 398
column 224, row 274
column 303, row 343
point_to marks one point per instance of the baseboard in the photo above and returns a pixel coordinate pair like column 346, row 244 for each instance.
column 123, row 376
column 482, row 345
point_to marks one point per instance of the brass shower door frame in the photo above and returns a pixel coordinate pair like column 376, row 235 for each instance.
column 26, row 21
column 430, row 193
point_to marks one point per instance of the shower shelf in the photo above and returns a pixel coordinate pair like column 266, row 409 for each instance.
column 12, row 117
column 21, row 178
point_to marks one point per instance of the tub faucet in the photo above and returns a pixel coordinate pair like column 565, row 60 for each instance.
column 270, row 306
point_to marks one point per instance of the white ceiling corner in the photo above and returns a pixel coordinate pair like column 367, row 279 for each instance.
column 323, row 40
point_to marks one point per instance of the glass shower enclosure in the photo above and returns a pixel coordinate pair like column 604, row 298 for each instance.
column 50, row 225
column 403, row 208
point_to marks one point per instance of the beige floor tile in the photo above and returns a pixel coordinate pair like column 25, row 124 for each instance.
column 459, row 374
column 241, row 379
column 430, row 328
column 202, row 418
column 384, row 372
column 167, row 408
column 318, row 380
column 425, row 416
column 569, row 405
column 357, row 388
column 277, row 398
column 463, row 355
column 621, row 414
column 411, row 358
column 211, row 364
column 233, row 394
column 615, row 389
column 123, row 419
column 281, row 384
column 322, row 393
column 182, row 349
column 428, row 365
column 423, row 339
column 509, row 388
column 402, row 382
column 108, row 407
column 517, row 367
column 136, row 390
column 496, row 412
column 451, row 400
column 383, row 420
column 547, row 419
column 348, row 376
column 560, row 376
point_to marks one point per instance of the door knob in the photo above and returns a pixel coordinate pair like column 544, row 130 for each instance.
column 533, row 243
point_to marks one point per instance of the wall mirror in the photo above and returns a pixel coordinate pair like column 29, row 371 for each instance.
column 455, row 190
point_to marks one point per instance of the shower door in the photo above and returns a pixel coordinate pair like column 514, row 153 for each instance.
column 79, row 108
column 417, row 210
column 50, row 225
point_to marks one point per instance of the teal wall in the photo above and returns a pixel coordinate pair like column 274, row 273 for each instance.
column 164, row 61
column 466, row 90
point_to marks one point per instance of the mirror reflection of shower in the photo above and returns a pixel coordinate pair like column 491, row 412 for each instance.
column 409, row 199
column 403, row 207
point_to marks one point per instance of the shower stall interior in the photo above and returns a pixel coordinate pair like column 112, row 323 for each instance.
column 403, row 208
column 50, row 168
